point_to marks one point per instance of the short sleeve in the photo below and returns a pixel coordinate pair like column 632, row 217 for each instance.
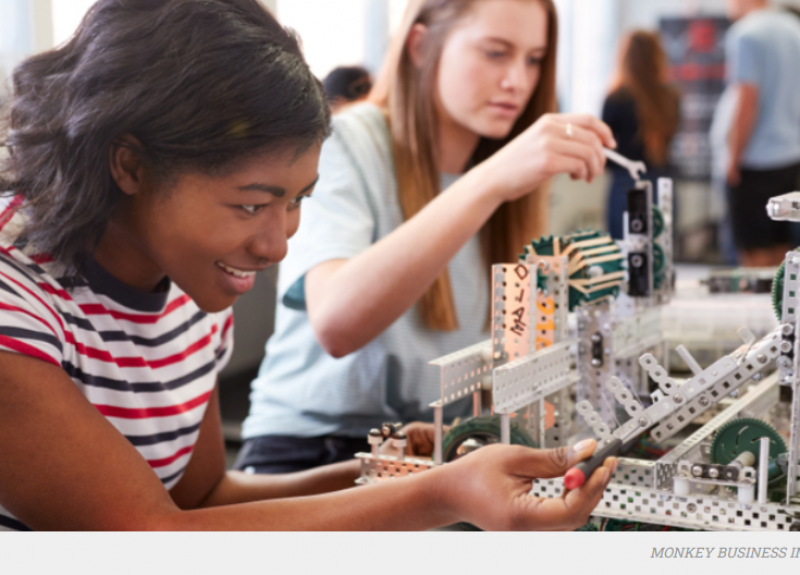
column 225, row 329
column 744, row 56
column 29, row 323
column 337, row 222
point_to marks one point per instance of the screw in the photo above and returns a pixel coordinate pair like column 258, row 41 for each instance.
column 596, row 362
column 677, row 398
column 637, row 261
column 785, row 346
column 642, row 422
column 697, row 470
column 735, row 393
column 703, row 401
column 761, row 358
column 758, row 377
column 713, row 473
column 787, row 329
column 596, row 338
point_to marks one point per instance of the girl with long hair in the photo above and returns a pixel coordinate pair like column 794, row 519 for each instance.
column 643, row 111
column 441, row 174
column 156, row 161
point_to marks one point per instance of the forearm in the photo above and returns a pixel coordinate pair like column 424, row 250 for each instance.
column 410, row 503
column 369, row 292
column 237, row 487
column 744, row 120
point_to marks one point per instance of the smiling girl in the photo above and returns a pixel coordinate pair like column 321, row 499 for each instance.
column 420, row 191
column 156, row 161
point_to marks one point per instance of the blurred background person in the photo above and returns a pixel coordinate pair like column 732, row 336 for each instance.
column 643, row 111
column 346, row 85
column 762, row 53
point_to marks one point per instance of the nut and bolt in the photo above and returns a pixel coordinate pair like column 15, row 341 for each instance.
column 642, row 422
column 713, row 473
column 697, row 470
column 703, row 401
column 677, row 398
column 762, row 359
column 785, row 346
column 787, row 329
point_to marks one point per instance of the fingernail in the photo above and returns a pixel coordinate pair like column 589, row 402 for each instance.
column 581, row 446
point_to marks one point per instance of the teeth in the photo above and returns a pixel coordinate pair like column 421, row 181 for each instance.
column 235, row 272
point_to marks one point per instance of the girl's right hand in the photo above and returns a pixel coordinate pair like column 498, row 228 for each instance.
column 491, row 487
column 555, row 144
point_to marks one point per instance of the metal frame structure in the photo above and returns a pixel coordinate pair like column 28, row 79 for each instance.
column 605, row 364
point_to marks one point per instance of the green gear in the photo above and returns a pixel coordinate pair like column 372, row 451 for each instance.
column 777, row 290
column 658, row 222
column 545, row 246
column 659, row 262
column 743, row 434
column 485, row 429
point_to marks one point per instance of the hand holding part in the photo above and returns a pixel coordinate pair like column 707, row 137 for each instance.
column 633, row 167
column 576, row 477
column 491, row 487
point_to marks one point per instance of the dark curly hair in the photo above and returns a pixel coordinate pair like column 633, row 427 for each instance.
column 200, row 84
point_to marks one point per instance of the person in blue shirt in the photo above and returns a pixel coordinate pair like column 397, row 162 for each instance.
column 763, row 132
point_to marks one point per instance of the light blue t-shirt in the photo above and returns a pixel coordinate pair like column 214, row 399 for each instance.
column 300, row 389
column 763, row 48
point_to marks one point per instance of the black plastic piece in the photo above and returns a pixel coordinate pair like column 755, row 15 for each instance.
column 638, row 275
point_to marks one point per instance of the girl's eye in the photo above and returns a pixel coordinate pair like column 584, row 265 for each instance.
column 253, row 209
column 494, row 54
column 295, row 203
column 535, row 61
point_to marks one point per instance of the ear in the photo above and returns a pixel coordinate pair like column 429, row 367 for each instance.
column 414, row 42
column 126, row 165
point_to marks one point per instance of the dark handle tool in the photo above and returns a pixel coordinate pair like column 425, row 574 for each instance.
column 577, row 476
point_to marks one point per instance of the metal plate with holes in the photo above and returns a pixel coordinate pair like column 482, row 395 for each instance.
column 595, row 319
column 593, row 420
column 636, row 334
column 513, row 305
column 381, row 468
column 791, row 289
column 552, row 303
column 462, row 372
column 666, row 467
column 793, row 470
column 703, row 395
column 648, row 505
column 532, row 378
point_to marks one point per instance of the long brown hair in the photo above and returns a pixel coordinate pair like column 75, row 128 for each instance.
column 406, row 93
column 643, row 72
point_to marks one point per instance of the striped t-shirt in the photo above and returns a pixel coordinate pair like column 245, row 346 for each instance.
column 147, row 361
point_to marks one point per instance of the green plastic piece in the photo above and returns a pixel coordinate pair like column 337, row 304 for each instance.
column 658, row 222
column 744, row 434
column 544, row 246
column 485, row 429
column 777, row 290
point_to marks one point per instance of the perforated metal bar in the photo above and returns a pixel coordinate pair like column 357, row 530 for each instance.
column 532, row 378
column 706, row 389
column 667, row 465
column 462, row 372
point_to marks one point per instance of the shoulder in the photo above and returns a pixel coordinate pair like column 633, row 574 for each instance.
column 362, row 128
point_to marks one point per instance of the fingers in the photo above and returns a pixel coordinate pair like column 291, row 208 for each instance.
column 571, row 511
column 548, row 463
column 590, row 154
column 590, row 123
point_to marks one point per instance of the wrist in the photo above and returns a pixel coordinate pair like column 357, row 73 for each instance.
column 435, row 495
column 488, row 193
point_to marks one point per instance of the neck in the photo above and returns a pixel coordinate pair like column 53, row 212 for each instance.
column 120, row 256
column 456, row 146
